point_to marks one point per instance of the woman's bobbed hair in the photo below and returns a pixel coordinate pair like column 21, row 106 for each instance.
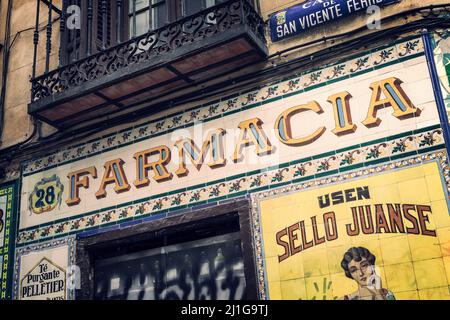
column 357, row 254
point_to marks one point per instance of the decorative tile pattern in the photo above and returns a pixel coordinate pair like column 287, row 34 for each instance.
column 388, row 149
column 7, row 233
column 403, row 50
column 440, row 157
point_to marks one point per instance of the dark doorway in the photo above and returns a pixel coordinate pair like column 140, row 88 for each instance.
column 204, row 269
column 188, row 257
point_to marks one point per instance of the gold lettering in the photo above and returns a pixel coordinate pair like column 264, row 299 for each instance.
column 342, row 114
column 252, row 134
column 158, row 166
column 395, row 97
column 283, row 125
column 75, row 184
column 114, row 173
column 187, row 147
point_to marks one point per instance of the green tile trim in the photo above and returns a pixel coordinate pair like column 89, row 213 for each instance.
column 369, row 143
column 324, row 155
column 326, row 173
column 402, row 135
column 422, row 130
column 352, row 167
column 403, row 155
column 347, row 149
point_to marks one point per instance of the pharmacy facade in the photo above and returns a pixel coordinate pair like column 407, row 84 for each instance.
column 331, row 182
column 382, row 118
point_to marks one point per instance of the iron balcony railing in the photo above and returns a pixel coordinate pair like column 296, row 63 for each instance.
column 192, row 29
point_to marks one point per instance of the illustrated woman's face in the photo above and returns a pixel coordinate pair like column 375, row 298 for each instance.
column 360, row 271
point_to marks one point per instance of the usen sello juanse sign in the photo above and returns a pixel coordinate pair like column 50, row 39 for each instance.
column 310, row 14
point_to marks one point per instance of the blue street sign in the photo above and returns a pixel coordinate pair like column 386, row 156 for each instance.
column 302, row 17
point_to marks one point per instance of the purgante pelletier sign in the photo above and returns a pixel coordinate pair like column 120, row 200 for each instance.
column 345, row 113
column 42, row 274
column 47, row 280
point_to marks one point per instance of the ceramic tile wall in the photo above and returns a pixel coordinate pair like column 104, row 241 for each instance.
column 392, row 138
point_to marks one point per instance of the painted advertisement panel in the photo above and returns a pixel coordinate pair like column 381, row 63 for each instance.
column 43, row 274
column 376, row 237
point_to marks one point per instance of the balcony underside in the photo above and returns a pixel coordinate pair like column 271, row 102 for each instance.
column 139, row 84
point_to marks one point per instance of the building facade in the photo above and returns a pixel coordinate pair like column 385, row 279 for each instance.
column 232, row 149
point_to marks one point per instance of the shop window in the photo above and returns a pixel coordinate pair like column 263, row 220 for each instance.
column 196, row 262
column 205, row 269
column 146, row 15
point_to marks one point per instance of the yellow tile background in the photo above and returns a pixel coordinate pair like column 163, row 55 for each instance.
column 294, row 289
column 400, row 277
column 430, row 273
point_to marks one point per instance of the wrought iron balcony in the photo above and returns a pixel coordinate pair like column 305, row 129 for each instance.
column 159, row 64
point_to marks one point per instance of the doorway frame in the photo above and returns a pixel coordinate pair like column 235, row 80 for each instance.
column 86, row 246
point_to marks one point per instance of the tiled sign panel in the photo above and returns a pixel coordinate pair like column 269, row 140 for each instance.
column 43, row 274
column 373, row 107
column 8, row 213
column 379, row 236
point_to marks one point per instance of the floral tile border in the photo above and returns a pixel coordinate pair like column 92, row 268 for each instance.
column 69, row 241
column 440, row 157
column 383, row 150
column 364, row 62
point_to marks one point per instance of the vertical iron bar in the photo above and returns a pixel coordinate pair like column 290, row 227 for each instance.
column 72, row 38
column 105, row 24
column 428, row 47
column 36, row 38
column 62, row 31
column 119, row 21
column 134, row 18
column 78, row 52
column 49, row 36
column 90, row 16
column 243, row 12
column 257, row 6
column 150, row 15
